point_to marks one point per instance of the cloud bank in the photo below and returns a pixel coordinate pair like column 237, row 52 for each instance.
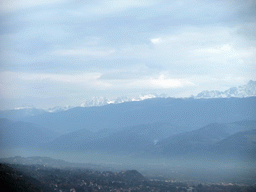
column 69, row 49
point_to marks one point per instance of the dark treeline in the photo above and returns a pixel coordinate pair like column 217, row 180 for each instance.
column 42, row 178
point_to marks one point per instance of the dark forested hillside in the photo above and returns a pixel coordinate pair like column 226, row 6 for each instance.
column 12, row 180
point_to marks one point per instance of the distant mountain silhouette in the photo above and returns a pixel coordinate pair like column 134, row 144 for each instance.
column 135, row 138
column 158, row 139
column 23, row 134
column 163, row 126
column 193, row 142
column 19, row 113
column 214, row 139
column 71, row 140
column 193, row 113
column 241, row 144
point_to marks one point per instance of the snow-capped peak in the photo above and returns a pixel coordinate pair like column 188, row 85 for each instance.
column 58, row 109
column 149, row 96
column 100, row 101
column 247, row 90
column 96, row 101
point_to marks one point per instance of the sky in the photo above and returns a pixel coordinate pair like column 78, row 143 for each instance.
column 63, row 52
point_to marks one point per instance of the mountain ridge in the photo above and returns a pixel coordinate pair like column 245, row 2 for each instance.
column 189, row 112
column 247, row 90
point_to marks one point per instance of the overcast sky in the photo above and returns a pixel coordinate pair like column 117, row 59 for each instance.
column 62, row 52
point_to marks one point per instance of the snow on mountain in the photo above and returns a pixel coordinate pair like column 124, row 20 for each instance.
column 96, row 101
column 59, row 109
column 100, row 101
column 247, row 90
column 20, row 112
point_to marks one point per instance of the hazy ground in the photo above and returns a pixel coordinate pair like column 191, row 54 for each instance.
column 192, row 169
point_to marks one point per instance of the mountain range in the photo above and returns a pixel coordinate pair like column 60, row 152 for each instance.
column 247, row 90
column 100, row 101
column 236, row 140
column 159, row 127
column 162, row 127
column 159, row 139
column 191, row 113
column 23, row 134
column 214, row 139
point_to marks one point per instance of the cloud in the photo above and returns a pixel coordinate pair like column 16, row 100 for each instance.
column 63, row 47
column 27, row 83
column 112, row 5
column 195, row 50
column 13, row 5
column 30, row 83
column 91, row 52
column 106, row 7
column 225, row 49
column 156, row 40
column 160, row 82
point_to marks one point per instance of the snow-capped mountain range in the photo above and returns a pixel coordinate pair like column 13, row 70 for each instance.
column 247, row 90
column 95, row 101
column 100, row 101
